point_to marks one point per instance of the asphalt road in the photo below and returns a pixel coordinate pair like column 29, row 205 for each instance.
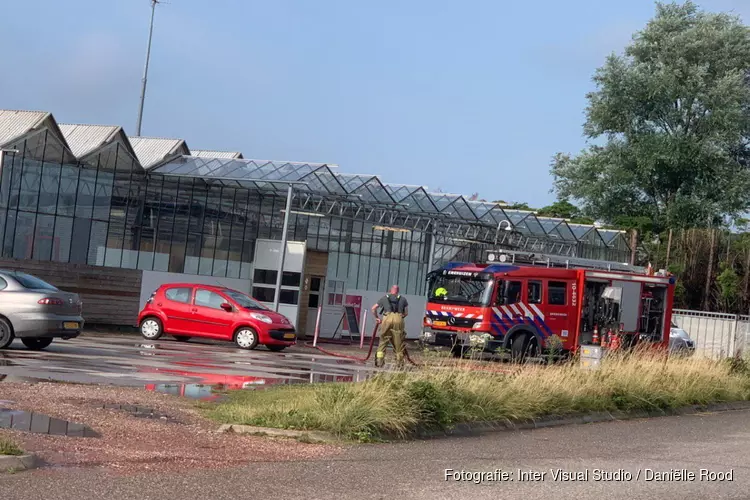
column 187, row 368
column 716, row 442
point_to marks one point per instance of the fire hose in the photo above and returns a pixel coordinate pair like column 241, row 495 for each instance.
column 369, row 351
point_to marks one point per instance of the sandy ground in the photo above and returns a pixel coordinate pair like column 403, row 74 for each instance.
column 128, row 444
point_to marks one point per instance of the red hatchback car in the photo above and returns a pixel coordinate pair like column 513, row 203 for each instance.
column 186, row 310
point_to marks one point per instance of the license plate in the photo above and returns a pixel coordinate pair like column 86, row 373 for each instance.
column 289, row 336
column 440, row 323
column 70, row 325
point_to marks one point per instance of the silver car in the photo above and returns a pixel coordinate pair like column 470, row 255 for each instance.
column 35, row 311
column 679, row 341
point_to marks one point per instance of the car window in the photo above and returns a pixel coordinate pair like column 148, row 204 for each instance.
column 556, row 293
column 243, row 300
column 509, row 293
column 179, row 294
column 32, row 282
column 535, row 292
column 210, row 299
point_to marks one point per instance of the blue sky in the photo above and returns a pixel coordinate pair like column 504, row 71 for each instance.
column 472, row 96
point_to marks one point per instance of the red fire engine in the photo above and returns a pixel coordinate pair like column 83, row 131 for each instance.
column 527, row 304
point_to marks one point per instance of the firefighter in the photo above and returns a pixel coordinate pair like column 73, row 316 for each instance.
column 390, row 312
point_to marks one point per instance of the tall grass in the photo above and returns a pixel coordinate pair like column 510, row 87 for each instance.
column 441, row 396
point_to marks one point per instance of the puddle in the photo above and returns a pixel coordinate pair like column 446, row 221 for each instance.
column 42, row 424
column 193, row 391
column 140, row 412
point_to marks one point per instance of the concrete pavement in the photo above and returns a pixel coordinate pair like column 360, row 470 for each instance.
column 717, row 442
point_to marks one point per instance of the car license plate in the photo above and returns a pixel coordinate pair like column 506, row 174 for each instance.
column 439, row 323
column 70, row 325
column 289, row 336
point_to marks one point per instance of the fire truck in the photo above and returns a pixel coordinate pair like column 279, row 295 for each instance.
column 526, row 304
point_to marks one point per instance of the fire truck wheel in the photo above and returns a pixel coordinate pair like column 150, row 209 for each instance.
column 524, row 344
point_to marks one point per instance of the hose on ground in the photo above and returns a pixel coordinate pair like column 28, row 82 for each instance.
column 369, row 351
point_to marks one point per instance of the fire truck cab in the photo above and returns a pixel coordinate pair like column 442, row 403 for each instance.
column 528, row 304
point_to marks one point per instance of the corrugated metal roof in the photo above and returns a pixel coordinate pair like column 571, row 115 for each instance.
column 207, row 153
column 14, row 124
column 83, row 139
column 152, row 150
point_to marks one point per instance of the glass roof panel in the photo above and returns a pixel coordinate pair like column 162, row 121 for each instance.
column 550, row 227
column 462, row 209
column 534, row 226
column 351, row 182
column 580, row 230
column 608, row 235
column 399, row 192
column 481, row 208
column 424, row 200
column 442, row 201
column 228, row 169
column 566, row 232
column 330, row 181
column 377, row 191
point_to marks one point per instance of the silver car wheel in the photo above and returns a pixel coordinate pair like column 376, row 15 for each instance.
column 150, row 329
column 246, row 338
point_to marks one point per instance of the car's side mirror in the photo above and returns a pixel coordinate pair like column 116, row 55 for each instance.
column 227, row 307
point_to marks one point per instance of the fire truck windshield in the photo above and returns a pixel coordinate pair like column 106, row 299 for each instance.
column 460, row 290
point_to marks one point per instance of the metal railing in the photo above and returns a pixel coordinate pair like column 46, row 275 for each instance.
column 716, row 335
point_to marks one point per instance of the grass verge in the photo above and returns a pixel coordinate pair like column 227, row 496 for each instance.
column 438, row 397
column 8, row 447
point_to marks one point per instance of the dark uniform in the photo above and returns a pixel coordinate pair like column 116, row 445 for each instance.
column 392, row 328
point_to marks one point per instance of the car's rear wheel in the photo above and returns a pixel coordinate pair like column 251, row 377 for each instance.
column 246, row 338
column 181, row 338
column 276, row 348
column 151, row 328
column 6, row 333
column 36, row 344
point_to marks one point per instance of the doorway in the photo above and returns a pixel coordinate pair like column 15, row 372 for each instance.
column 314, row 300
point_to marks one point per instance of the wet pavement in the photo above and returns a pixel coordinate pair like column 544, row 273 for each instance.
column 192, row 369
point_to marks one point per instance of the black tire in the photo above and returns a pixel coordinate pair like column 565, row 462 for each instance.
column 276, row 348
column 181, row 338
column 151, row 328
column 246, row 338
column 36, row 344
column 6, row 333
column 524, row 344
column 458, row 351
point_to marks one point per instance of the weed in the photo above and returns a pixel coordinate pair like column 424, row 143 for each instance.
column 8, row 447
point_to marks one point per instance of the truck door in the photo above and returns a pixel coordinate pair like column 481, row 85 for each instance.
column 560, row 309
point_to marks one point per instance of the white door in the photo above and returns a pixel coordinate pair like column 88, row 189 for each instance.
column 333, row 308
column 314, row 300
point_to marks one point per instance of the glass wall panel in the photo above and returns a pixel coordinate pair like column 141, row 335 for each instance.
column 62, row 239
column 97, row 243
column 29, row 195
column 50, row 185
column 66, row 202
column 23, row 240
column 10, row 232
column 44, row 237
column 86, row 189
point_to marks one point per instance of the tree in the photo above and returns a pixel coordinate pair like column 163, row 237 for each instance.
column 671, row 123
column 561, row 208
